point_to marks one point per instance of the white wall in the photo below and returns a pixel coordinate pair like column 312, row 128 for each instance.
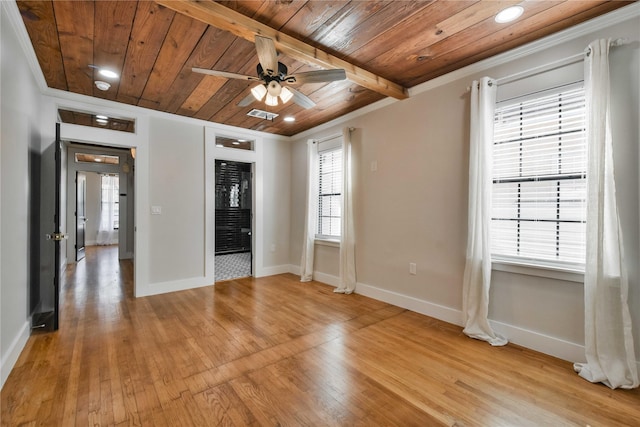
column 177, row 187
column 20, row 133
column 414, row 207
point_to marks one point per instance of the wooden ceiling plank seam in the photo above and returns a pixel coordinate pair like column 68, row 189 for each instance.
column 312, row 16
column 396, row 30
column 241, row 49
column 404, row 36
column 378, row 24
column 503, row 40
column 408, row 53
column 113, row 23
column 76, row 35
column 280, row 16
column 144, row 43
column 245, row 27
column 351, row 17
column 39, row 20
column 157, row 57
column 176, row 48
column 471, row 36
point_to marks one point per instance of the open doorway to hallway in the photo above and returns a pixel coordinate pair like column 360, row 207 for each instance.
column 104, row 215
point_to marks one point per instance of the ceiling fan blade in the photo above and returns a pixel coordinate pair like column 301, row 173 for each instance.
column 320, row 76
column 267, row 55
column 302, row 99
column 247, row 100
column 225, row 74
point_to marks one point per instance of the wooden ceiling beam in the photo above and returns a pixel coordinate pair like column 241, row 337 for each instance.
column 222, row 17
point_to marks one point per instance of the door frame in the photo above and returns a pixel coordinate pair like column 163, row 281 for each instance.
column 252, row 166
column 255, row 157
column 127, row 221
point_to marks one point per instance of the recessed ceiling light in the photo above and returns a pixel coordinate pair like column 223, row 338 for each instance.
column 289, row 119
column 236, row 142
column 219, row 145
column 242, row 140
column 101, row 116
column 98, row 159
column 509, row 14
column 102, row 121
column 102, row 85
column 108, row 73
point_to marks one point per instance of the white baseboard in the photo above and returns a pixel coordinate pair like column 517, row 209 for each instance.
column 294, row 269
column 327, row 279
column 10, row 358
column 174, row 286
column 530, row 339
column 273, row 270
column 552, row 346
column 427, row 308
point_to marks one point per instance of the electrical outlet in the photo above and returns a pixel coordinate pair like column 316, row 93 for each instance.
column 412, row 268
column 374, row 166
column 156, row 210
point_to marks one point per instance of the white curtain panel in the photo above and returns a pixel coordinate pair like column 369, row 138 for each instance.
column 347, row 236
column 608, row 338
column 106, row 234
column 310, row 225
column 477, row 272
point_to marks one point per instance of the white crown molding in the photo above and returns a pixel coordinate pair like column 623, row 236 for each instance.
column 10, row 8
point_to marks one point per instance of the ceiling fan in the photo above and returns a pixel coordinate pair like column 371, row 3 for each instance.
column 274, row 78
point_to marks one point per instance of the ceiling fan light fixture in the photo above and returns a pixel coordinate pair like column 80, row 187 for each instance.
column 274, row 88
column 271, row 100
column 286, row 95
column 290, row 119
column 509, row 14
column 259, row 92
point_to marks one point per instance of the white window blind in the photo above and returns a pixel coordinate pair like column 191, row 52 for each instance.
column 539, row 180
column 330, row 192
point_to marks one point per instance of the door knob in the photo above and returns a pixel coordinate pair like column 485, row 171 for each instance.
column 56, row 237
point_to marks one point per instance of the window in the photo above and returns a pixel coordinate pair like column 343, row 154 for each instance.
column 329, row 192
column 109, row 211
column 539, row 180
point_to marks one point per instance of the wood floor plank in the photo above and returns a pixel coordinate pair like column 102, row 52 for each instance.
column 275, row 351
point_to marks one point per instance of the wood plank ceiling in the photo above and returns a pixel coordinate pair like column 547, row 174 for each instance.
column 153, row 48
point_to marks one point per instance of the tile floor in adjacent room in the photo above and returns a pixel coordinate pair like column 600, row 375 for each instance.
column 233, row 266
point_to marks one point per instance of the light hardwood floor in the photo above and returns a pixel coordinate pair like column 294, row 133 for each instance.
column 274, row 351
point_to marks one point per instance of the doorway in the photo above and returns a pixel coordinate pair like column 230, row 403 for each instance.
column 233, row 220
column 107, row 175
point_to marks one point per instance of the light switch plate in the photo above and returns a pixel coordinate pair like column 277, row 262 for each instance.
column 156, row 210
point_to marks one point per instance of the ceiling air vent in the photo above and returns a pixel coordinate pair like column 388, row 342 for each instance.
column 262, row 114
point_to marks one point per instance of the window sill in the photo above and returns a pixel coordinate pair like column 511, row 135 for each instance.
column 327, row 242
column 551, row 272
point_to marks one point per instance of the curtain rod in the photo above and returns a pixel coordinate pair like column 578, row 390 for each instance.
column 329, row 138
column 563, row 62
